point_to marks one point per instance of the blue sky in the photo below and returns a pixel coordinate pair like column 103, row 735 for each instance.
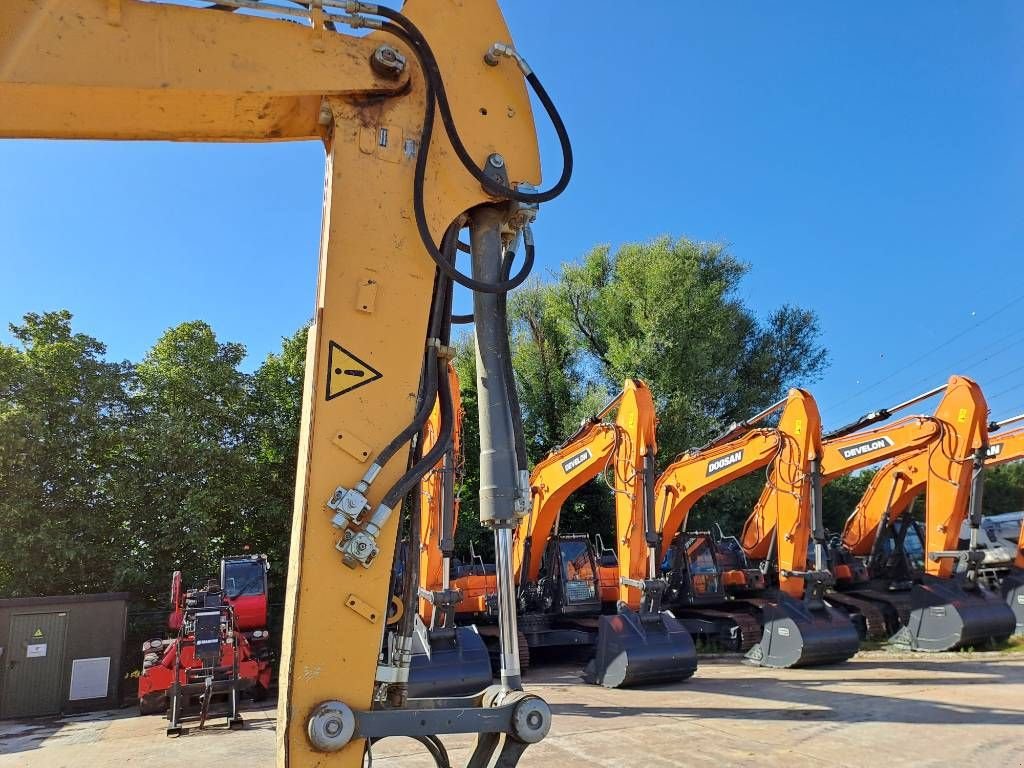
column 865, row 159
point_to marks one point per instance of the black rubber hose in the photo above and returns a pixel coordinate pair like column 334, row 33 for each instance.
column 518, row 434
column 429, row 390
column 419, row 183
column 444, row 438
column 444, row 392
column 429, row 62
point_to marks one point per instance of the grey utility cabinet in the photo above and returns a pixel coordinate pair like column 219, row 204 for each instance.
column 61, row 654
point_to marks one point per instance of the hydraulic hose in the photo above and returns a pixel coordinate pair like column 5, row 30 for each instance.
column 443, row 305
column 438, row 313
column 430, row 459
column 518, row 434
column 433, row 73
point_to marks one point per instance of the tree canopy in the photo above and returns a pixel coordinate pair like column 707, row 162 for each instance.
column 114, row 474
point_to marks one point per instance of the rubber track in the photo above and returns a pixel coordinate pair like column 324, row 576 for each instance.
column 750, row 628
column 874, row 618
column 524, row 653
column 900, row 602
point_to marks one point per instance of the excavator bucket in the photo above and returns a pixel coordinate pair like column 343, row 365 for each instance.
column 453, row 662
column 1013, row 591
column 946, row 614
column 803, row 633
column 641, row 649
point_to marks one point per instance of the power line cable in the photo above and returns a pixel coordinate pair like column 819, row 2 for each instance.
column 931, row 351
column 961, row 365
column 1015, row 387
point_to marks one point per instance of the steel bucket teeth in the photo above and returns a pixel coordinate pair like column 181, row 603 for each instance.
column 641, row 649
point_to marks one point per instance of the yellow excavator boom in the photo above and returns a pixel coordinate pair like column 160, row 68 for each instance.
column 134, row 70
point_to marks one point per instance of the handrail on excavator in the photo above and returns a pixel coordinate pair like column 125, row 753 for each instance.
column 881, row 415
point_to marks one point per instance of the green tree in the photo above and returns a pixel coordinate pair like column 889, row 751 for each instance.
column 275, row 413
column 184, row 486
column 1004, row 489
column 62, row 408
column 841, row 496
column 668, row 312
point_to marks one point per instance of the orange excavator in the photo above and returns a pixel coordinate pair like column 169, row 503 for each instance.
column 712, row 589
column 890, row 497
column 563, row 588
column 448, row 659
column 1010, row 447
column 926, row 609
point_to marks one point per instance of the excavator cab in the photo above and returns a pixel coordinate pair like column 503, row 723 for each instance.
column 695, row 574
column 568, row 585
column 899, row 552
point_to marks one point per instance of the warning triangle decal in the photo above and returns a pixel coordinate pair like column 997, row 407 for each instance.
column 37, row 633
column 346, row 372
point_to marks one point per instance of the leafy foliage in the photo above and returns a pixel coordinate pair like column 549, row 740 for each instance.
column 668, row 312
column 1004, row 489
column 62, row 411
column 113, row 474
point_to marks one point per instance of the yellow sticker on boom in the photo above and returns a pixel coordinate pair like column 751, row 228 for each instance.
column 346, row 372
column 961, row 416
column 798, row 427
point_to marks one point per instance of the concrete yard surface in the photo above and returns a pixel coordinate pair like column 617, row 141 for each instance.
column 877, row 709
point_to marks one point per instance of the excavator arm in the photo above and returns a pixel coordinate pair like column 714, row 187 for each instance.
column 134, row 70
column 787, row 513
column 697, row 473
column 845, row 455
column 635, row 474
column 555, row 478
column 895, row 486
column 439, row 515
column 939, row 451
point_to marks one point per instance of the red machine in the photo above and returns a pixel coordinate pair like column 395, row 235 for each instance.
column 220, row 645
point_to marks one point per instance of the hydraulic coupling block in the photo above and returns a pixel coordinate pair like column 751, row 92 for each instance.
column 358, row 548
column 358, row 544
column 349, row 507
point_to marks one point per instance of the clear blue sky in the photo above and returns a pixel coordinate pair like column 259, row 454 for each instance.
column 866, row 159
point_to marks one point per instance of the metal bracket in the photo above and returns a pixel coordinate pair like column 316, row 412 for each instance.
column 522, row 718
column 363, row 608
column 495, row 169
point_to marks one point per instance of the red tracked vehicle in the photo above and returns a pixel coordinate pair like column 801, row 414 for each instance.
column 220, row 645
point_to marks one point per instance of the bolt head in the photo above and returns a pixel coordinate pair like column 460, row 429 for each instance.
column 387, row 62
column 496, row 160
